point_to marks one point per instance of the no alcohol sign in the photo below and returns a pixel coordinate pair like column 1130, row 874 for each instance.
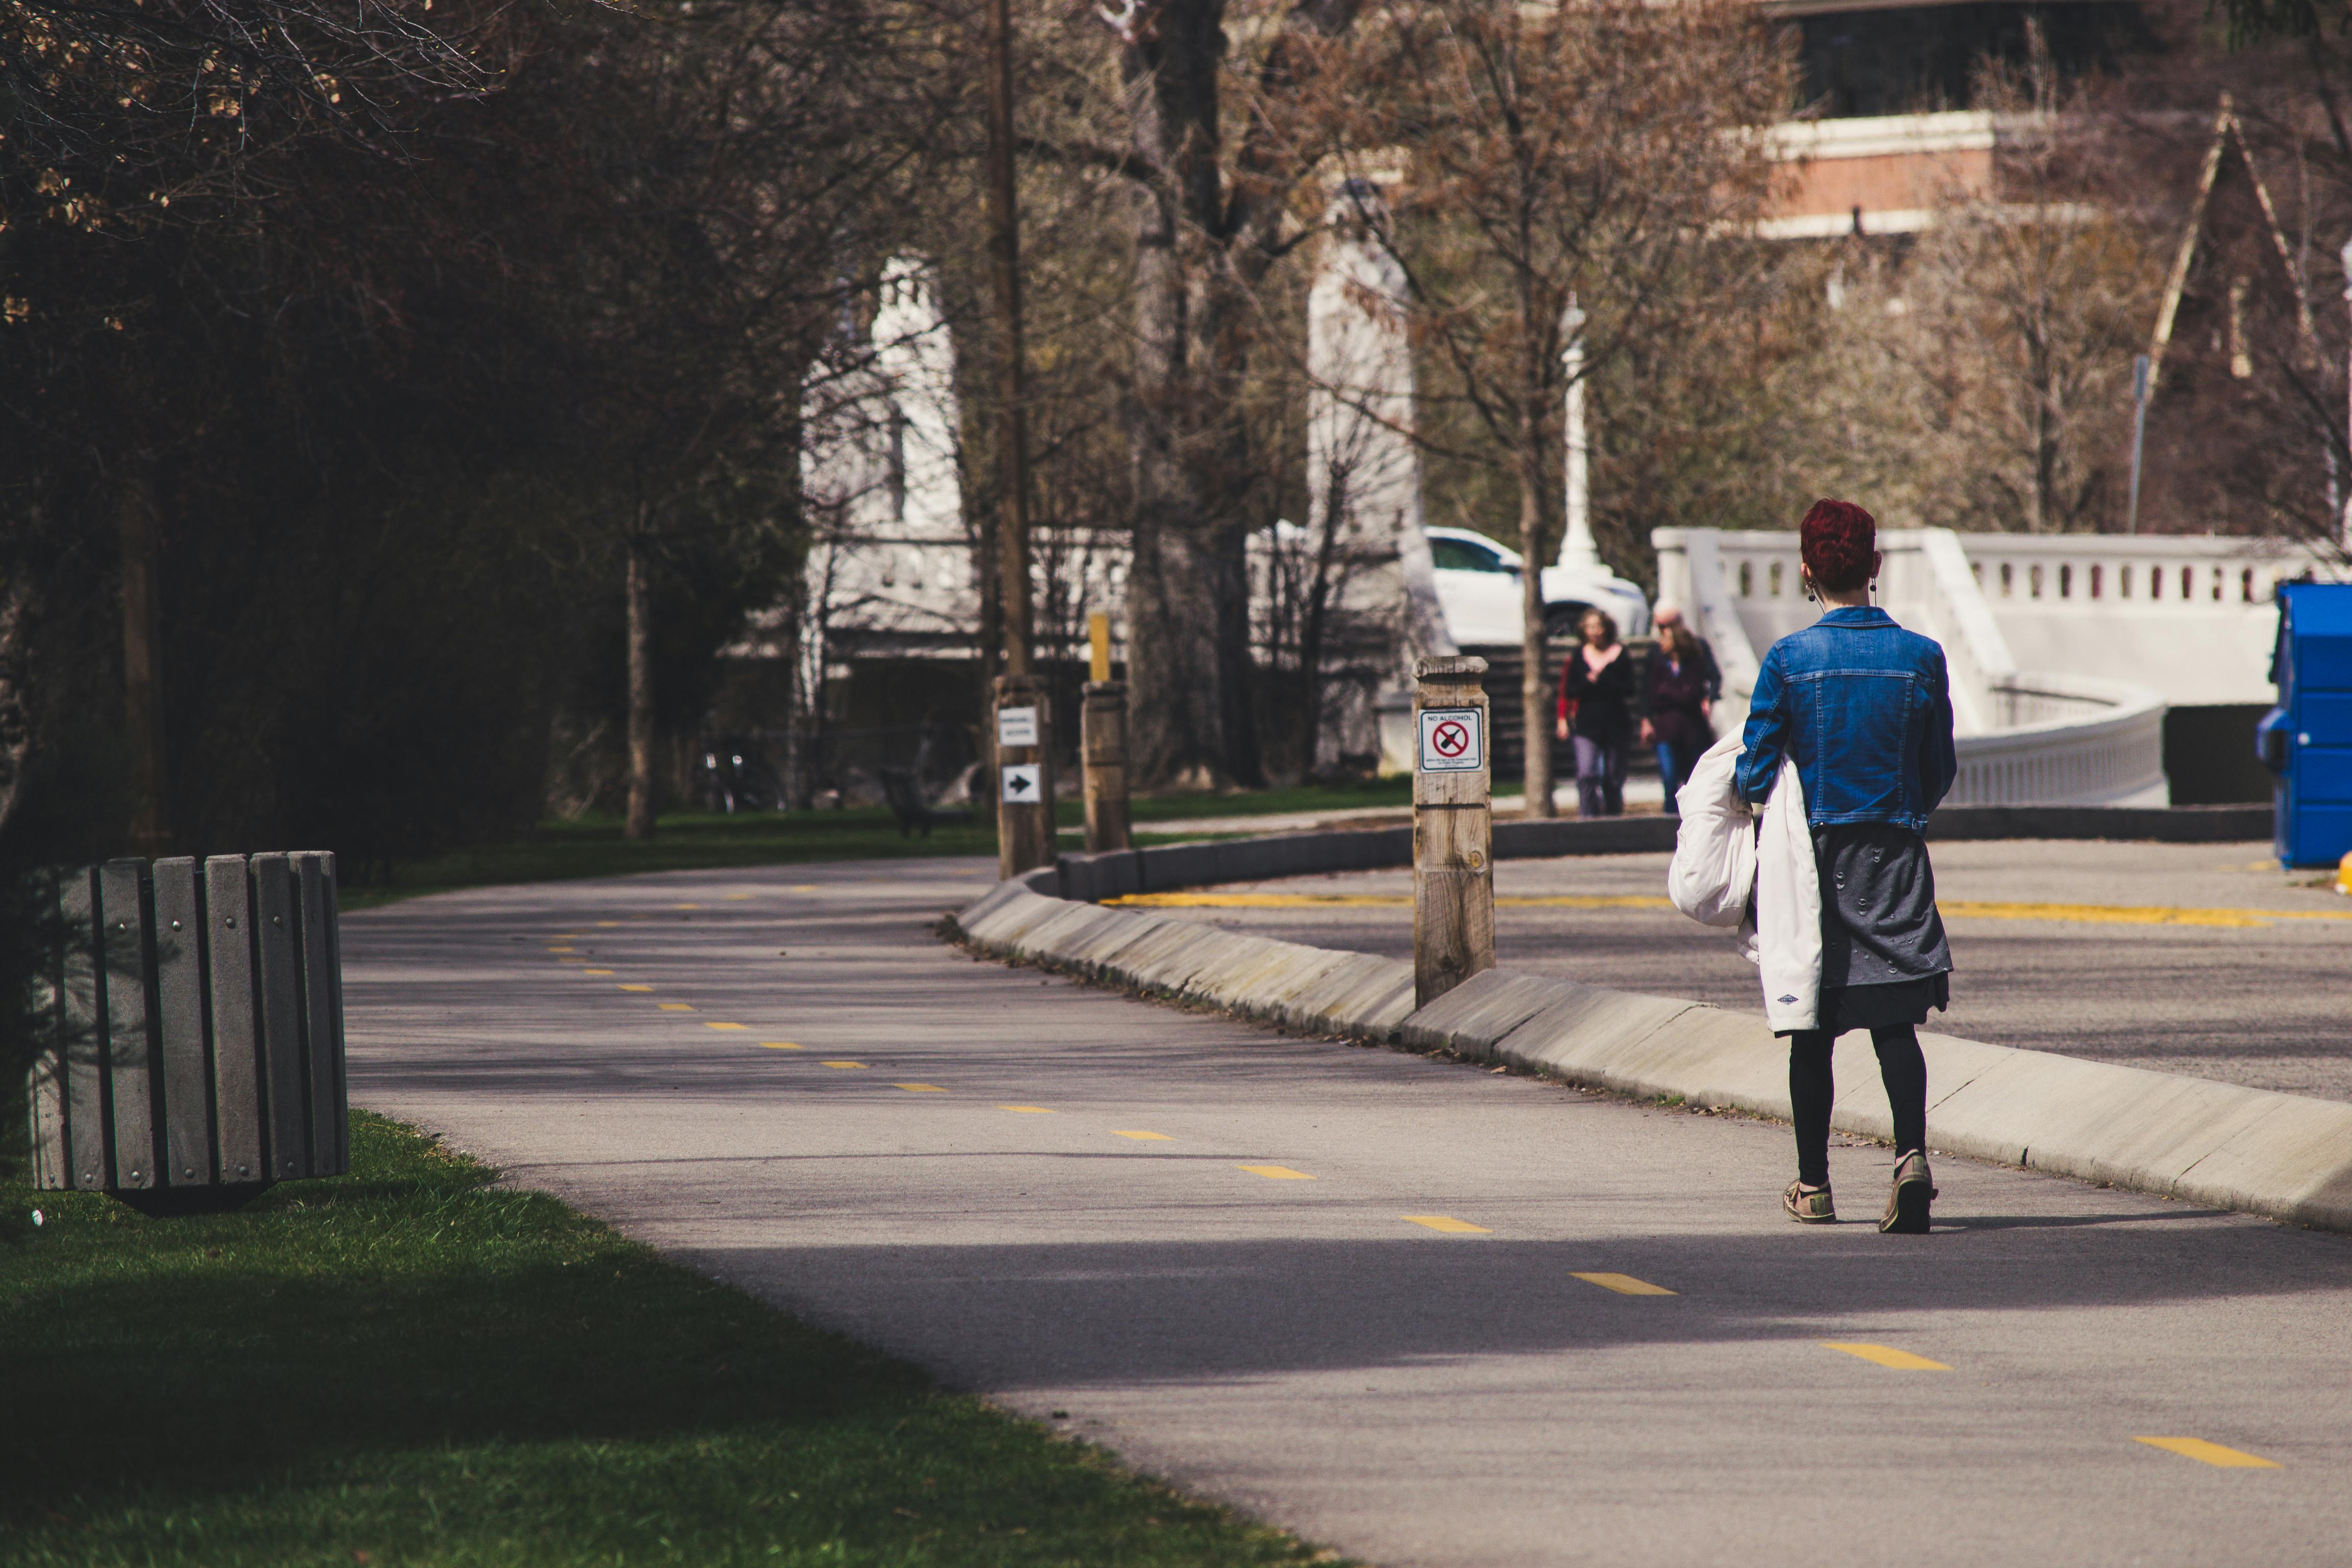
column 1452, row 740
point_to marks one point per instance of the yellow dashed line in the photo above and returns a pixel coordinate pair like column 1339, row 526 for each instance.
column 2210, row 1453
column 779, row 1046
column 709, row 1025
column 1888, row 1355
column 1276, row 1173
column 636, row 987
column 920, row 1087
column 1151, row 1137
column 563, row 949
column 804, row 887
column 1027, row 1109
column 674, row 1007
column 686, row 906
column 733, row 897
column 1624, row 1284
column 845, row 1064
column 1448, row 1224
column 608, row 922
column 596, row 971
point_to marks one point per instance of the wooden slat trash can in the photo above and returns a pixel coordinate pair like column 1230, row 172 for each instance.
column 195, row 1031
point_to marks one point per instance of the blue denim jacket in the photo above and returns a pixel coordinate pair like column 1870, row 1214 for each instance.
column 1865, row 709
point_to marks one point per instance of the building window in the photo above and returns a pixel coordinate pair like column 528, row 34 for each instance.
column 2122, row 583
column 2006, row 572
column 2217, row 584
column 898, row 461
column 2065, row 582
column 2246, row 586
column 2096, row 572
column 1748, row 579
column 2034, row 580
column 1775, row 589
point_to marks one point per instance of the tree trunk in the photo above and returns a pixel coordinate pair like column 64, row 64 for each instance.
column 142, row 682
column 1315, row 613
column 18, row 605
column 1236, row 670
column 1178, row 579
column 1535, row 721
column 1189, row 673
column 1174, row 714
column 641, row 690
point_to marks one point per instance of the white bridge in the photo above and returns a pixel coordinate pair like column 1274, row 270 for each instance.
column 2064, row 650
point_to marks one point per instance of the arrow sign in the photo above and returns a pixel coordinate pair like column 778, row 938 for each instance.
column 1021, row 783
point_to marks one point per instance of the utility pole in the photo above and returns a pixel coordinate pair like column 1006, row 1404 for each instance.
column 2140, row 368
column 1024, row 809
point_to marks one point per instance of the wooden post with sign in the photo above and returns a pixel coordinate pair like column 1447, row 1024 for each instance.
column 1024, row 777
column 1102, row 742
column 1453, row 827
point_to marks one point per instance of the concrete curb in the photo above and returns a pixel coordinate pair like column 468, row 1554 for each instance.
column 2283, row 1156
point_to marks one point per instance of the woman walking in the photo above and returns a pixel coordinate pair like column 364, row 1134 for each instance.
column 1596, row 690
column 1864, row 707
column 1676, row 694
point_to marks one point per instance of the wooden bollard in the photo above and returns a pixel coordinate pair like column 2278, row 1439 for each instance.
column 1102, row 744
column 1102, row 732
column 1024, row 777
column 1453, row 827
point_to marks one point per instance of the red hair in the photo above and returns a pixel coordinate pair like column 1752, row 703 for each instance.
column 1838, row 539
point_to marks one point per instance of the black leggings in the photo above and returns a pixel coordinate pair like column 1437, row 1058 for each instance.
column 1811, row 1087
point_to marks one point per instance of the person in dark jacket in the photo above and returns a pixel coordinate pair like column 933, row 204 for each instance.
column 1596, row 696
column 1864, row 710
column 1678, row 692
column 1669, row 613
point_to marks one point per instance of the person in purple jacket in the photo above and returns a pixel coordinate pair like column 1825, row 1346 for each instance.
column 1678, row 693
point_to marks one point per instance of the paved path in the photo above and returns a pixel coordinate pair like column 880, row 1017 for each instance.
column 958, row 1164
column 2245, row 984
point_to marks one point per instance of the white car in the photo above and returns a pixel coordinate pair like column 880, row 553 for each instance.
column 1479, row 588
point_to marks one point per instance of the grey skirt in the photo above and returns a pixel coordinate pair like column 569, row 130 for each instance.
column 1885, row 960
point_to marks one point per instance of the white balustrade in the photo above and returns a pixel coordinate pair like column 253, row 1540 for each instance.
column 2040, row 730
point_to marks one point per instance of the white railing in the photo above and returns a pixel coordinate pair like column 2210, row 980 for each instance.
column 2148, row 572
column 2024, row 738
column 2102, row 744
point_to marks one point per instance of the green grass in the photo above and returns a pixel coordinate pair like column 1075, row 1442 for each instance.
column 408, row 1365
column 593, row 847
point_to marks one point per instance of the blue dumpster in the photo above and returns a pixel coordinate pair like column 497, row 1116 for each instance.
column 2306, row 740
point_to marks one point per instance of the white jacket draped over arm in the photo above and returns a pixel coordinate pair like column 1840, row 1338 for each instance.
column 1730, row 873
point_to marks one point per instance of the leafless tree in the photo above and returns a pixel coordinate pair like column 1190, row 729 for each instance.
column 1564, row 162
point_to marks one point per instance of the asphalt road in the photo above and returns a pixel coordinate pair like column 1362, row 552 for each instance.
column 2053, row 948
column 1376, row 1298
